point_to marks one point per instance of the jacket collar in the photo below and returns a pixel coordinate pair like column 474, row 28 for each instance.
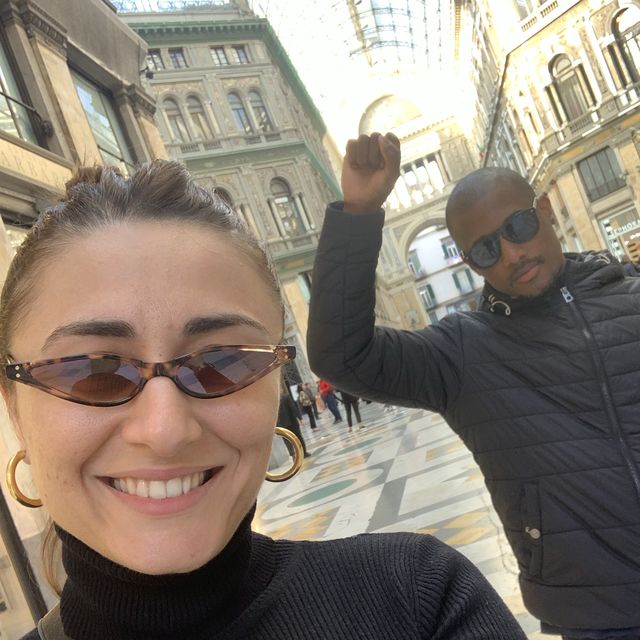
column 582, row 272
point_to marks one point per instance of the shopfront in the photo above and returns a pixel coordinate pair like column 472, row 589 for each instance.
column 621, row 230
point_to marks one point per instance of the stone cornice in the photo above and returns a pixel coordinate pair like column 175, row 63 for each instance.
column 173, row 28
column 38, row 23
column 139, row 100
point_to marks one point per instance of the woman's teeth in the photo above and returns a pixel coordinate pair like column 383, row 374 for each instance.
column 159, row 489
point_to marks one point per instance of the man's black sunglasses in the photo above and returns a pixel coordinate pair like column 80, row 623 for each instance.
column 520, row 227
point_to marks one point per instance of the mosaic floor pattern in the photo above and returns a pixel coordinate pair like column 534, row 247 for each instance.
column 405, row 471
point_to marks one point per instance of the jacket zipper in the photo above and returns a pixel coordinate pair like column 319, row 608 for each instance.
column 604, row 388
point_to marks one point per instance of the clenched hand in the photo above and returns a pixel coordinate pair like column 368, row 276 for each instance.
column 370, row 169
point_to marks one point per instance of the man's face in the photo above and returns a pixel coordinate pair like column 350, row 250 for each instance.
column 522, row 270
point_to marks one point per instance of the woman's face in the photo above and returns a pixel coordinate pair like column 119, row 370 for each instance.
column 160, row 279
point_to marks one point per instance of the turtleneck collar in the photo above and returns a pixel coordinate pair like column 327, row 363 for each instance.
column 582, row 272
column 102, row 600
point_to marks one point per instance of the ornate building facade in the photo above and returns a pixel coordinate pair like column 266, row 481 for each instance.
column 233, row 109
column 568, row 117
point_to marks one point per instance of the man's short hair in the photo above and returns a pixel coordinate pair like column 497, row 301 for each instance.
column 477, row 184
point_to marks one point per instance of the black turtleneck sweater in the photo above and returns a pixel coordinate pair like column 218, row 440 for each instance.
column 380, row 586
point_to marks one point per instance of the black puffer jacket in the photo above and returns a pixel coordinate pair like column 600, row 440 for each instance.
column 544, row 392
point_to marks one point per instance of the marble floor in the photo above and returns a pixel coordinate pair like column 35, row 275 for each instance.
column 405, row 471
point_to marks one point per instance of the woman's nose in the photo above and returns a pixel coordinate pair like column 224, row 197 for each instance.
column 161, row 418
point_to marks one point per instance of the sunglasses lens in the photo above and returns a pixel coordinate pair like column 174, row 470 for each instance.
column 521, row 227
column 485, row 253
column 100, row 380
column 216, row 373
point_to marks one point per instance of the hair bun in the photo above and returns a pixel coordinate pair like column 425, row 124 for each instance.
column 87, row 176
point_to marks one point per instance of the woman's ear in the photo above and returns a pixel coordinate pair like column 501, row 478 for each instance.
column 12, row 410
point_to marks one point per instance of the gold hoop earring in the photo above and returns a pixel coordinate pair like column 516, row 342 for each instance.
column 298, row 456
column 16, row 494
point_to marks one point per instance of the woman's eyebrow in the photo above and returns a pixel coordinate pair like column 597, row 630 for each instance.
column 204, row 324
column 106, row 328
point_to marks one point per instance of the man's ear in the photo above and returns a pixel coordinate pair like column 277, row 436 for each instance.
column 471, row 266
column 544, row 207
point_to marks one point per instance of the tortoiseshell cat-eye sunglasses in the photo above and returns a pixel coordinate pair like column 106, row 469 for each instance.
column 107, row 380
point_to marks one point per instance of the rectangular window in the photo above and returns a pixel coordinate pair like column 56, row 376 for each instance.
column 105, row 124
column 414, row 264
column 601, row 174
column 219, row 56
column 463, row 281
column 428, row 297
column 239, row 54
column 14, row 113
column 450, row 251
column 154, row 60
column 177, row 58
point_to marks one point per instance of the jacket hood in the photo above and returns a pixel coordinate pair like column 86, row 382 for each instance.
column 582, row 272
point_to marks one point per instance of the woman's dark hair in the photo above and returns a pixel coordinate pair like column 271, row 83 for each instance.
column 99, row 197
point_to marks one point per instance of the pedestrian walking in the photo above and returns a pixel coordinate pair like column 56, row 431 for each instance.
column 289, row 417
column 313, row 394
column 350, row 403
column 305, row 403
column 331, row 401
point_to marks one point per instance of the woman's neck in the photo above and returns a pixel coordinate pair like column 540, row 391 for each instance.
column 102, row 599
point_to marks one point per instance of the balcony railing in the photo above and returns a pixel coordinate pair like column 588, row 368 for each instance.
column 279, row 246
column 228, row 142
column 543, row 14
column 595, row 117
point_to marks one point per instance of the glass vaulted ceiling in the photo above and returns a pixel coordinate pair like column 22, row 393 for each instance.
column 397, row 32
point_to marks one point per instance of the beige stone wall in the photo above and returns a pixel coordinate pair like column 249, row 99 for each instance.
column 409, row 307
column 67, row 102
column 298, row 307
column 153, row 140
column 630, row 161
column 567, row 192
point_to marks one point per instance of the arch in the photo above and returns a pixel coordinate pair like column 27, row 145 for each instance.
column 625, row 27
column 175, row 119
column 259, row 110
column 199, row 121
column 418, row 224
column 240, row 115
column 572, row 88
column 388, row 113
column 285, row 208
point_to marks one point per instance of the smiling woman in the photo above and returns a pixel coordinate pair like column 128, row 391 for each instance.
column 143, row 385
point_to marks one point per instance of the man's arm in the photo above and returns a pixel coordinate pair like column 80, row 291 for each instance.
column 410, row 368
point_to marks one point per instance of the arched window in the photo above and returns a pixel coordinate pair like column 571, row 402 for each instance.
column 260, row 114
column 572, row 88
column 626, row 29
column 199, row 120
column 239, row 113
column 177, row 124
column 286, row 208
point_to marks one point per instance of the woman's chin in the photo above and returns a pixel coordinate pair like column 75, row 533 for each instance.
column 165, row 564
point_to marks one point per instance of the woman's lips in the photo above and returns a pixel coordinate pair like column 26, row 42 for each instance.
column 161, row 489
